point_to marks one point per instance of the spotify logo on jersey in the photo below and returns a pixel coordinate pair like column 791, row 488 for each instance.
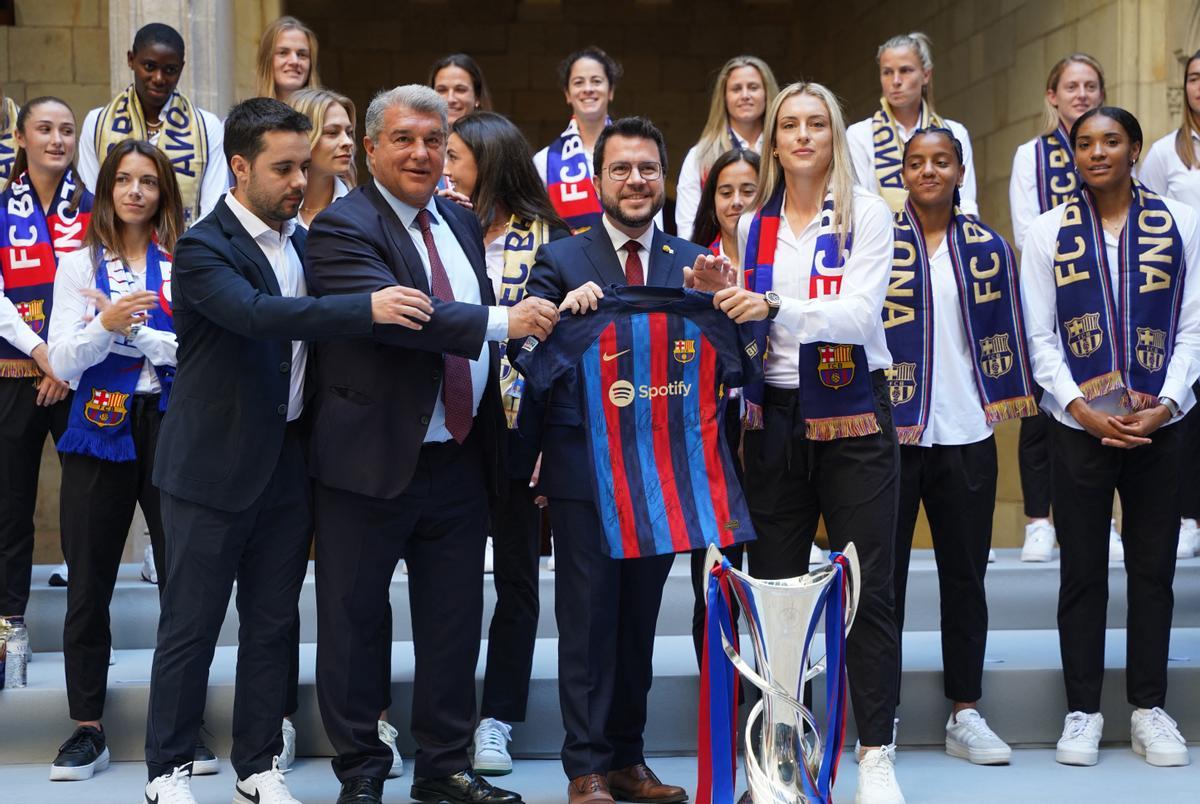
column 620, row 393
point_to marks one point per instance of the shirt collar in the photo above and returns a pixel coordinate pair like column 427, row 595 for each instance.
column 406, row 212
column 254, row 225
column 619, row 238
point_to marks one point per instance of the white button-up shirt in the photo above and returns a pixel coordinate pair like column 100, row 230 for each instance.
column 1164, row 172
column 619, row 239
column 1023, row 201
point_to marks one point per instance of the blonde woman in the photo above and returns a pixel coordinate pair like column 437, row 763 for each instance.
column 331, row 174
column 817, row 256
column 287, row 59
column 736, row 114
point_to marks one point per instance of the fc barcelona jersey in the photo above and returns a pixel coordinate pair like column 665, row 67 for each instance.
column 653, row 367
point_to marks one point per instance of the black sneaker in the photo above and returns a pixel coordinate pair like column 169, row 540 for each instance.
column 58, row 577
column 205, row 762
column 361, row 790
column 80, row 757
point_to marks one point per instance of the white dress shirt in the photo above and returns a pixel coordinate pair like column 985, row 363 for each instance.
column 340, row 188
column 1038, row 297
column 861, row 140
column 539, row 163
column 855, row 316
column 216, row 171
column 465, row 285
column 1023, row 201
column 289, row 273
column 77, row 344
column 493, row 258
column 690, row 184
column 1164, row 172
column 619, row 239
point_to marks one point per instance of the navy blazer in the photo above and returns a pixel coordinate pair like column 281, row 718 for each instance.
column 223, row 429
column 374, row 396
column 560, row 267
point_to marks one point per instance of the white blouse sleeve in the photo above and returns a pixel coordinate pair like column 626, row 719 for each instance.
column 1184, row 368
column 862, row 155
column 216, row 171
column 687, row 194
column 1023, row 193
column 89, row 163
column 1152, row 171
column 967, row 194
column 76, row 345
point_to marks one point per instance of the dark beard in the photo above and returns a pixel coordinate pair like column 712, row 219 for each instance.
column 612, row 208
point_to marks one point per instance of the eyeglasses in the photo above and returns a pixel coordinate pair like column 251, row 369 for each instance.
column 621, row 171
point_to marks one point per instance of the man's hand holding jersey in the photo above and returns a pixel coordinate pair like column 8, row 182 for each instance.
column 742, row 305
column 582, row 299
column 532, row 316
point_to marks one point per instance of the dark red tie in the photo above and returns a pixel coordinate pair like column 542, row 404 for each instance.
column 457, row 396
column 633, row 264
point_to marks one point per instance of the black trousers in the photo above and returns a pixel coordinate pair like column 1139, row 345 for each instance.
column 1189, row 481
column 516, row 545
column 1147, row 478
column 23, row 429
column 957, row 484
column 439, row 526
column 606, row 610
column 98, row 500
column 265, row 548
column 1033, row 460
column 791, row 482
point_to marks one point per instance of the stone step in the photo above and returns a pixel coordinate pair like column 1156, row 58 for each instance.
column 1021, row 596
column 1023, row 697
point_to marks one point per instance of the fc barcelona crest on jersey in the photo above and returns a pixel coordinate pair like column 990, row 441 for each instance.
column 1084, row 335
column 33, row 313
column 1151, row 348
column 836, row 368
column 995, row 356
column 106, row 408
column 901, row 382
column 684, row 351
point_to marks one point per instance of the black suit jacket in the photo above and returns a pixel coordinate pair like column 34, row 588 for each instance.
column 374, row 396
column 561, row 267
column 223, row 429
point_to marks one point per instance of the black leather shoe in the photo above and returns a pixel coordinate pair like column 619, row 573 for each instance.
column 463, row 787
column 361, row 790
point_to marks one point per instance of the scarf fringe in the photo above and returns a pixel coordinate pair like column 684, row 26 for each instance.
column 16, row 368
column 1103, row 384
column 1016, row 408
column 836, row 427
column 1138, row 400
column 910, row 435
column 105, row 449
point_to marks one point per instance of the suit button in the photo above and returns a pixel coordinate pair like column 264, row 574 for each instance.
column 284, row 367
column 425, row 420
column 281, row 410
column 436, row 375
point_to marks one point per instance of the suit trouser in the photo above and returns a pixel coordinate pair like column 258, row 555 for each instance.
column 98, row 501
column 23, row 428
column 516, row 548
column 1189, row 481
column 957, row 483
column 791, row 482
column 439, row 526
column 265, row 548
column 1034, row 463
column 1147, row 479
column 606, row 610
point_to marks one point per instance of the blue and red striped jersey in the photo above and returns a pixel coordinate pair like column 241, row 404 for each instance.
column 653, row 367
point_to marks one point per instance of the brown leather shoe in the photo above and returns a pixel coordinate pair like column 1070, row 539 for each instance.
column 588, row 789
column 638, row 783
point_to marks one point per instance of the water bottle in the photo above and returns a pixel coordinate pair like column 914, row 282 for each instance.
column 18, row 654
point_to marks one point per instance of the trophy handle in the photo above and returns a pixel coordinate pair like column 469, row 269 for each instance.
column 851, row 554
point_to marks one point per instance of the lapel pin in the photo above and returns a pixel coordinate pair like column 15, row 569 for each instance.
column 668, row 249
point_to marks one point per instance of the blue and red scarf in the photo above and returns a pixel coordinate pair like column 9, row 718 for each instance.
column 98, row 424
column 836, row 399
column 1120, row 338
column 569, row 181
column 986, row 275
column 1057, row 178
column 31, row 244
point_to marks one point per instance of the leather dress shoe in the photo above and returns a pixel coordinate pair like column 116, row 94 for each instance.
column 361, row 790
column 591, row 788
column 464, row 787
column 638, row 783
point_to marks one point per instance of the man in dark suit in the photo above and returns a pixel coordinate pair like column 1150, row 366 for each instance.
column 230, row 464
column 406, row 451
column 606, row 608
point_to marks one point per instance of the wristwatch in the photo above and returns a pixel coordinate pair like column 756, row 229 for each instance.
column 773, row 302
column 1170, row 404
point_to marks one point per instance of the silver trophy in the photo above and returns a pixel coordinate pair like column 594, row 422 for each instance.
column 784, row 746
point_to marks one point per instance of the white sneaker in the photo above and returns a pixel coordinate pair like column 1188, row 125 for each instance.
column 877, row 778
column 387, row 735
column 112, row 656
column 171, row 788
column 991, row 556
column 491, row 748
column 892, row 745
column 149, row 571
column 403, row 566
column 1080, row 741
column 1039, row 541
column 1157, row 738
column 59, row 576
column 1189, row 539
column 1116, row 549
column 816, row 557
column 968, row 737
column 287, row 757
column 550, row 563
column 489, row 561
column 263, row 788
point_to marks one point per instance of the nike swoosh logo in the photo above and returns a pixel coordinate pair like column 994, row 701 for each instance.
column 252, row 798
column 607, row 358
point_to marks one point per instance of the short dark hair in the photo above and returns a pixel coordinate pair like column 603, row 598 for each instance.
column 612, row 70
column 1124, row 118
column 250, row 119
column 157, row 33
column 639, row 127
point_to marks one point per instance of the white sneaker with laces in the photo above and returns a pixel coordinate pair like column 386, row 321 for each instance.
column 287, row 757
column 112, row 656
column 1080, row 741
column 550, row 563
column 877, row 778
column 1116, row 549
column 895, row 731
column 969, row 737
column 171, row 788
column 1156, row 737
column 149, row 571
column 1039, row 541
column 816, row 557
column 1189, row 539
column 991, row 556
column 489, row 561
column 263, row 788
column 387, row 735
column 491, row 748
column 59, row 576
